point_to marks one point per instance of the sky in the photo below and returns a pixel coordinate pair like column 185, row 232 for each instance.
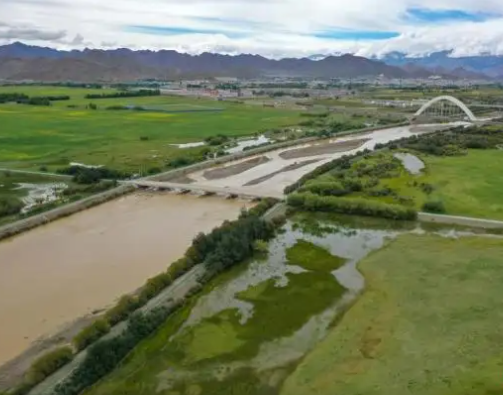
column 272, row 28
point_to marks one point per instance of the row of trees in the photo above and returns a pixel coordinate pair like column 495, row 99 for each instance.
column 105, row 355
column 93, row 175
column 12, row 97
column 22, row 98
column 128, row 93
column 354, row 206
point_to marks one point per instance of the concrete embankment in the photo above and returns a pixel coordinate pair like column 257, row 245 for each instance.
column 63, row 211
column 461, row 221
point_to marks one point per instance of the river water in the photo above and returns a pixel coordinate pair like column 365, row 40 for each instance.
column 282, row 171
column 57, row 273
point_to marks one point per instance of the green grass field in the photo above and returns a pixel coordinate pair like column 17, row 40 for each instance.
column 54, row 136
column 429, row 323
column 468, row 185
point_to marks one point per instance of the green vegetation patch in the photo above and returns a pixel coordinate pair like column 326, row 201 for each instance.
column 428, row 323
column 136, row 141
column 313, row 257
column 278, row 312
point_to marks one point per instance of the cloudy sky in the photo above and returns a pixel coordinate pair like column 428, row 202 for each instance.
column 274, row 28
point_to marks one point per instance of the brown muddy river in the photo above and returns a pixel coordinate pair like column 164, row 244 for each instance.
column 57, row 273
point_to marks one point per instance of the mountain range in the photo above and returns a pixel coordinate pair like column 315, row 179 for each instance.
column 489, row 65
column 19, row 61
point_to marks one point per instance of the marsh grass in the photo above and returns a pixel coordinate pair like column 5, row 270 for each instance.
column 428, row 323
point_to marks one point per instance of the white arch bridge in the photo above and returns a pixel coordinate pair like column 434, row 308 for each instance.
column 462, row 106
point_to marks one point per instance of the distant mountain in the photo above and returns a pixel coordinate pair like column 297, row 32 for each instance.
column 19, row 61
column 470, row 66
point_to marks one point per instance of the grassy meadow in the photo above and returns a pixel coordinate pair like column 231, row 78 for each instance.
column 428, row 323
column 32, row 136
column 467, row 185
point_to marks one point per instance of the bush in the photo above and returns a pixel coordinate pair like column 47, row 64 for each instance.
column 219, row 139
column 124, row 307
column 43, row 367
column 327, row 188
column 434, row 206
column 310, row 202
column 261, row 246
column 105, row 355
column 154, row 286
column 91, row 333
column 144, row 138
column 10, row 206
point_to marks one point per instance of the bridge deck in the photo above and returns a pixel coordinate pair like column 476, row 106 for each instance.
column 240, row 192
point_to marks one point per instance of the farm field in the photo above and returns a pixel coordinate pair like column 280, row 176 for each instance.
column 428, row 323
column 33, row 136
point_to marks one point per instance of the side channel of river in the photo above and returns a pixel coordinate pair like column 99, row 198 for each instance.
column 54, row 274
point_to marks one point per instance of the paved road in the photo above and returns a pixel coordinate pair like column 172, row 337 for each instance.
column 36, row 173
column 462, row 221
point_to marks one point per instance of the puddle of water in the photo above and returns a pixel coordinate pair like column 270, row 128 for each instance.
column 189, row 145
column 241, row 145
column 77, row 164
column 412, row 163
column 39, row 194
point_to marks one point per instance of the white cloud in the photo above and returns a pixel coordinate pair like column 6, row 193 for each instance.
column 273, row 28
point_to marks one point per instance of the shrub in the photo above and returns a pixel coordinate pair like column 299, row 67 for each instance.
column 144, row 138
column 327, row 188
column 154, row 286
column 310, row 202
column 10, row 206
column 91, row 333
column 434, row 206
column 261, row 246
column 124, row 307
column 105, row 355
column 427, row 188
column 43, row 367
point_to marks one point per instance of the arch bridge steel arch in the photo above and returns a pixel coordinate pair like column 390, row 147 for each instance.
column 451, row 99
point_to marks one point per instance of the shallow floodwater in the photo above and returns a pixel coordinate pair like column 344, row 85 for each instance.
column 412, row 163
column 57, row 273
column 208, row 331
column 345, row 241
column 242, row 144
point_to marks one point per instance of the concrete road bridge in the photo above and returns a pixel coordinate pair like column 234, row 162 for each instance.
column 204, row 189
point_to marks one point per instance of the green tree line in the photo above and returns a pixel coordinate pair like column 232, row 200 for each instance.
column 134, row 93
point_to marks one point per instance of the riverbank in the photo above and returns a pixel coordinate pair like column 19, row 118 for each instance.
column 129, row 239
